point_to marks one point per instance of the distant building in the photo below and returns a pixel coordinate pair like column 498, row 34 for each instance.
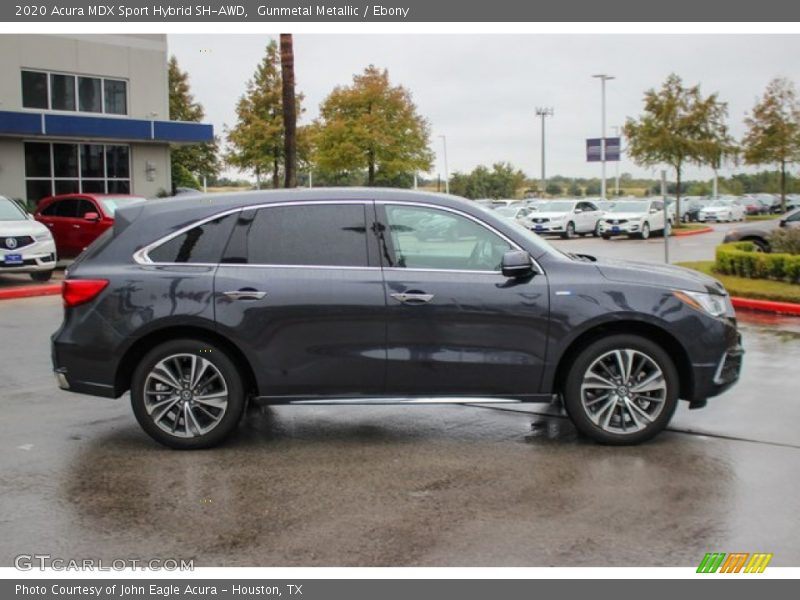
column 87, row 113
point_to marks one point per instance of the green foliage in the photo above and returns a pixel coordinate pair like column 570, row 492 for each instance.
column 198, row 159
column 372, row 125
column 502, row 181
column 761, row 289
column 680, row 126
column 786, row 241
column 741, row 259
column 553, row 189
column 773, row 129
column 182, row 177
column 575, row 190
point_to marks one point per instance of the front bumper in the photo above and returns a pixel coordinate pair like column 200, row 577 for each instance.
column 39, row 256
column 551, row 227
column 620, row 228
column 712, row 380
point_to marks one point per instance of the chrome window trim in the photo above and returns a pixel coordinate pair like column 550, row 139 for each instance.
column 141, row 256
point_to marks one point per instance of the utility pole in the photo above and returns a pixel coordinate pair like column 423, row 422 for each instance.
column 446, row 171
column 617, row 133
column 603, row 78
column 543, row 113
column 667, row 228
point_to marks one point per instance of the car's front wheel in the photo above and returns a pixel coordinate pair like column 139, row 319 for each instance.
column 187, row 394
column 622, row 389
column 569, row 232
column 645, row 233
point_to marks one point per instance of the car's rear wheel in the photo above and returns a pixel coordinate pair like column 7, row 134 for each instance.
column 41, row 275
column 621, row 389
column 187, row 394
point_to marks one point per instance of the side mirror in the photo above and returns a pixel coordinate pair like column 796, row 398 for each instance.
column 578, row 210
column 91, row 216
column 517, row 263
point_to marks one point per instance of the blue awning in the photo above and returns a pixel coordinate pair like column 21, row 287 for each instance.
column 28, row 124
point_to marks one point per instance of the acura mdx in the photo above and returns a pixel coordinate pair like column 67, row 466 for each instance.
column 198, row 305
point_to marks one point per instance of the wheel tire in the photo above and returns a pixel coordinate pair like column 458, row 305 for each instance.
column 760, row 245
column 226, row 369
column 645, row 233
column 596, row 232
column 569, row 233
column 41, row 275
column 579, row 413
column 606, row 237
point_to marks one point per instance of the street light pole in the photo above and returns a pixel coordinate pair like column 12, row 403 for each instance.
column 543, row 113
column 446, row 171
column 617, row 133
column 603, row 78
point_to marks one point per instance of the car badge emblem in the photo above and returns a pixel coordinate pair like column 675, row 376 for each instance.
column 11, row 243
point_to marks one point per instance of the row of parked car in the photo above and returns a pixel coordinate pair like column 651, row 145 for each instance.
column 634, row 217
column 60, row 227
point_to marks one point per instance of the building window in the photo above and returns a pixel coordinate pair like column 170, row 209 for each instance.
column 61, row 168
column 34, row 89
column 63, row 91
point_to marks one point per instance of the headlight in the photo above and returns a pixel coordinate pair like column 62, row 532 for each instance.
column 44, row 236
column 712, row 304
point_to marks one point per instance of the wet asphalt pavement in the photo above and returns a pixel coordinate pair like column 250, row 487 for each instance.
column 398, row 486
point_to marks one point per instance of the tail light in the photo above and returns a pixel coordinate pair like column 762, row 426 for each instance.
column 79, row 291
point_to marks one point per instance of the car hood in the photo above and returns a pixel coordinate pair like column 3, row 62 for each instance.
column 623, row 215
column 668, row 276
column 15, row 228
column 547, row 215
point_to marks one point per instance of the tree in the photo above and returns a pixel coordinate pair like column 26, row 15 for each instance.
column 188, row 161
column 679, row 126
column 554, row 189
column 372, row 125
column 773, row 130
column 502, row 181
column 289, row 111
column 256, row 141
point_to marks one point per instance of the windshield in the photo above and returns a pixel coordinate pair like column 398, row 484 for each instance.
column 112, row 203
column 556, row 206
column 10, row 211
column 629, row 206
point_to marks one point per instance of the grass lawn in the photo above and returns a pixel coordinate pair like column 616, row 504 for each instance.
column 758, row 289
column 688, row 226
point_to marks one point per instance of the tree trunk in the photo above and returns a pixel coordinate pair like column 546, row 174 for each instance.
column 289, row 112
column 371, row 167
column 276, row 183
column 783, row 186
column 677, row 194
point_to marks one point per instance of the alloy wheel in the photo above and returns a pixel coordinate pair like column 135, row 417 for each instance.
column 623, row 391
column 185, row 395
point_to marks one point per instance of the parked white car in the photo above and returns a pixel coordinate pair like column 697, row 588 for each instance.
column 26, row 246
column 566, row 218
column 512, row 212
column 723, row 209
column 634, row 218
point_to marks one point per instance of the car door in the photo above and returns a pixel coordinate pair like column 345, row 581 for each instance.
column 584, row 217
column 656, row 216
column 59, row 216
column 300, row 290
column 455, row 324
column 84, row 231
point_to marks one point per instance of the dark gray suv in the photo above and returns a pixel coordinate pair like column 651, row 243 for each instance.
column 199, row 304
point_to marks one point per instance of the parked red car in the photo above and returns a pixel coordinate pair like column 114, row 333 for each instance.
column 76, row 220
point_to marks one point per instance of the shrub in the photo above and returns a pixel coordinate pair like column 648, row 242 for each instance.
column 786, row 241
column 740, row 259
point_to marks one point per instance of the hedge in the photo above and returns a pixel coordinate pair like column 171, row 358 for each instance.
column 741, row 259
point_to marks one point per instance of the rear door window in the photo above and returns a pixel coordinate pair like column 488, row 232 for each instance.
column 310, row 235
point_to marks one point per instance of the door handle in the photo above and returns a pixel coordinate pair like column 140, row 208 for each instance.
column 76, row 226
column 244, row 294
column 412, row 297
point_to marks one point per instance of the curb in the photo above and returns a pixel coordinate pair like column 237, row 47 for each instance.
column 782, row 308
column 30, row 291
column 692, row 232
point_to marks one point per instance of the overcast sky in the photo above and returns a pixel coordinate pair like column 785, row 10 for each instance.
column 481, row 90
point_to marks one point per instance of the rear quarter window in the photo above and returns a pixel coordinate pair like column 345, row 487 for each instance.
column 201, row 244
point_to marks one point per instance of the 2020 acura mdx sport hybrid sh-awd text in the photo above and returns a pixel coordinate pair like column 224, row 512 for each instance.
column 197, row 305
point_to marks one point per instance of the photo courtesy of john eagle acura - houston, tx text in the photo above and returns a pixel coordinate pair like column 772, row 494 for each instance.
column 373, row 296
